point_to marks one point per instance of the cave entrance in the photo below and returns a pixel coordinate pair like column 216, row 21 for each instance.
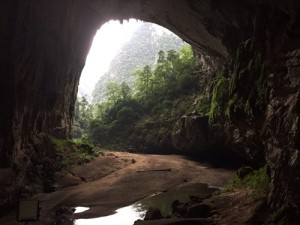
column 122, row 62
column 107, row 43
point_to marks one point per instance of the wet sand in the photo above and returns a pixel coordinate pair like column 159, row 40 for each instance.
column 119, row 179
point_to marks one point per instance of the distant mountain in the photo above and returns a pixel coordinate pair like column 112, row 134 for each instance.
column 141, row 50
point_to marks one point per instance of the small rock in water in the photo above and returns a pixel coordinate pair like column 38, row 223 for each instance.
column 153, row 214
column 175, row 204
column 179, row 208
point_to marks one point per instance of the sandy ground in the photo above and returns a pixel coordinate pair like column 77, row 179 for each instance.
column 119, row 179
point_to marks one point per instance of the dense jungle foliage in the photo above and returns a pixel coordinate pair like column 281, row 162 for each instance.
column 138, row 116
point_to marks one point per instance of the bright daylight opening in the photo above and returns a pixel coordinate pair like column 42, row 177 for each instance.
column 130, row 65
column 106, row 44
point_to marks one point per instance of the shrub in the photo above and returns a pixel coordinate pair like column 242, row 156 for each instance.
column 258, row 181
column 126, row 115
column 70, row 152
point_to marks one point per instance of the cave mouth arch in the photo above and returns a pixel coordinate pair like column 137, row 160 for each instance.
column 60, row 44
column 44, row 86
column 169, row 148
column 142, row 50
column 43, row 80
column 44, row 47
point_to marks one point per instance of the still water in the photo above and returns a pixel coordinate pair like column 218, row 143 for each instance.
column 128, row 215
column 124, row 216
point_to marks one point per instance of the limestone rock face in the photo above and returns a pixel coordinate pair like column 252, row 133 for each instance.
column 190, row 133
column 243, row 139
column 282, row 127
column 43, row 55
column 44, row 45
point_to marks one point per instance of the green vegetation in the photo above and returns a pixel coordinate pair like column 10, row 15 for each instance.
column 143, row 113
column 133, row 89
column 257, row 180
column 241, row 92
column 82, row 118
column 70, row 152
column 141, row 116
column 171, row 78
column 220, row 96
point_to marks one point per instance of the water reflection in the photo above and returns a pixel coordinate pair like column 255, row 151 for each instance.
column 164, row 200
column 128, row 215
column 80, row 209
column 125, row 216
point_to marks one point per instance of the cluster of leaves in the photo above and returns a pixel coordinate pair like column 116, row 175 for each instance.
column 83, row 116
column 70, row 152
column 220, row 97
column 257, row 180
column 172, row 77
column 240, row 92
column 127, row 114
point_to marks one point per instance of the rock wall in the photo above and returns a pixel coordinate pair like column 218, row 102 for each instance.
column 282, row 127
column 44, row 48
column 44, row 45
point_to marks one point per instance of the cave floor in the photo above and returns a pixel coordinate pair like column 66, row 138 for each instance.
column 118, row 179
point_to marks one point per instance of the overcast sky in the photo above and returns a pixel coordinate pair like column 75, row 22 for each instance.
column 107, row 41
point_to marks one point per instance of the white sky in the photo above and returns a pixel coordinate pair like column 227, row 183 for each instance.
column 107, row 41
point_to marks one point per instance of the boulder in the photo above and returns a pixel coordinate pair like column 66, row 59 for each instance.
column 153, row 214
column 179, row 208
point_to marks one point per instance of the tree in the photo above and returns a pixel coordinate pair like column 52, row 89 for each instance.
column 125, row 91
column 120, row 116
column 83, row 116
column 141, row 50
column 113, row 92
column 161, row 57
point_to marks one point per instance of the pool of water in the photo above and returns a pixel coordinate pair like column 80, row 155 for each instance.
column 128, row 215
column 80, row 209
column 125, row 216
